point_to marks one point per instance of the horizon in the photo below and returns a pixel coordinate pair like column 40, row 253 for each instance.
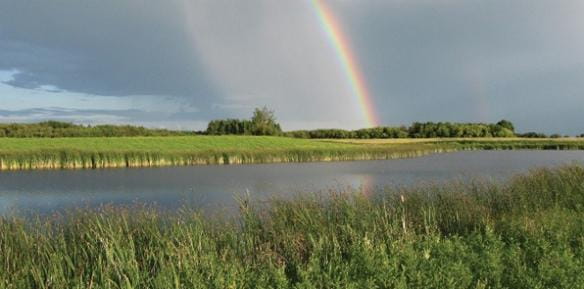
column 205, row 129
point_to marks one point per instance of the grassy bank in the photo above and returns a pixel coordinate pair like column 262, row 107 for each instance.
column 527, row 233
column 64, row 153
column 60, row 153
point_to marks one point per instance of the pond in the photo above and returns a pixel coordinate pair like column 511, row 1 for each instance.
column 211, row 186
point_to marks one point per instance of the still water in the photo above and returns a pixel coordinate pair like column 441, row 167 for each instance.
column 211, row 186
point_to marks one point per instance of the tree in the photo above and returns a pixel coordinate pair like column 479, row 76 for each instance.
column 503, row 132
column 506, row 124
column 264, row 122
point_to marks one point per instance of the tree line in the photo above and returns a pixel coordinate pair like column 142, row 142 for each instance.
column 263, row 122
column 52, row 129
column 503, row 128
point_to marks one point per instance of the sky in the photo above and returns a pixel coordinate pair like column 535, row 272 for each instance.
column 180, row 63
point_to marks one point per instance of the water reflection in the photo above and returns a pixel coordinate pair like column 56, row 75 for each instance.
column 216, row 186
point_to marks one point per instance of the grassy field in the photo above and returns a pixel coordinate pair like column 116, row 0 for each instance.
column 527, row 233
column 61, row 153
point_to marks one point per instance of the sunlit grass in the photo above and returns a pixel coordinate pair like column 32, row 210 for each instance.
column 527, row 233
column 68, row 153
column 37, row 153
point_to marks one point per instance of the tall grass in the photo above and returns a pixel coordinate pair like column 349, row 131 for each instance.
column 83, row 153
column 73, row 153
column 526, row 233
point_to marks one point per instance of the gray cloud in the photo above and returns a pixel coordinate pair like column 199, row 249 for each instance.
column 104, row 47
column 275, row 53
column 456, row 60
column 183, row 120
column 473, row 60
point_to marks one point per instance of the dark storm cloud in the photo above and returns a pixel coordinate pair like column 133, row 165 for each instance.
column 105, row 47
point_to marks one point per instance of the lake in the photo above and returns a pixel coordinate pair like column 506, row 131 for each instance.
column 216, row 185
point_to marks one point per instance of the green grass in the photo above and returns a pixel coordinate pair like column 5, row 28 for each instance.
column 527, row 233
column 170, row 144
column 60, row 153
column 160, row 151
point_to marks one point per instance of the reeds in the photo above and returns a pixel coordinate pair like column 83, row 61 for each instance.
column 88, row 153
column 79, row 159
column 526, row 233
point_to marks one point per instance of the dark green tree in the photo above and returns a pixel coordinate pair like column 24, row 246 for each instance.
column 506, row 124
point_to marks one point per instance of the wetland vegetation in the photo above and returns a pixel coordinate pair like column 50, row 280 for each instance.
column 99, row 152
column 58, row 145
column 526, row 233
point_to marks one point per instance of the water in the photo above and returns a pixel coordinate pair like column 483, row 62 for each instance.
column 215, row 186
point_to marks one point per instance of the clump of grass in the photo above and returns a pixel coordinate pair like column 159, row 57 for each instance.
column 526, row 233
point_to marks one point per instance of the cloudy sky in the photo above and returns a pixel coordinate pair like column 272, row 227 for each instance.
column 180, row 63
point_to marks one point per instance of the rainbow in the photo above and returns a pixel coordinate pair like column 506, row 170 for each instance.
column 348, row 60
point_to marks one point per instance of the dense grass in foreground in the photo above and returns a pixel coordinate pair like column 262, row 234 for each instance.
column 58, row 153
column 527, row 233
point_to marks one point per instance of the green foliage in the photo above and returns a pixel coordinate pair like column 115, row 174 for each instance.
column 446, row 129
column 526, row 233
column 322, row 133
column 263, row 122
column 533, row 135
column 416, row 130
column 506, row 124
column 52, row 129
column 230, row 127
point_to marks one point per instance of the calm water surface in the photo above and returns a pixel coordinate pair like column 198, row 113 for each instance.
column 210, row 186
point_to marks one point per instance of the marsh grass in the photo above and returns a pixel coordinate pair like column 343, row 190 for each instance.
column 115, row 152
column 525, row 233
column 87, row 153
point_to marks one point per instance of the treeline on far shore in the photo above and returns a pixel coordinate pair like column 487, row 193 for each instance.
column 501, row 129
column 53, row 129
column 263, row 123
column 416, row 130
